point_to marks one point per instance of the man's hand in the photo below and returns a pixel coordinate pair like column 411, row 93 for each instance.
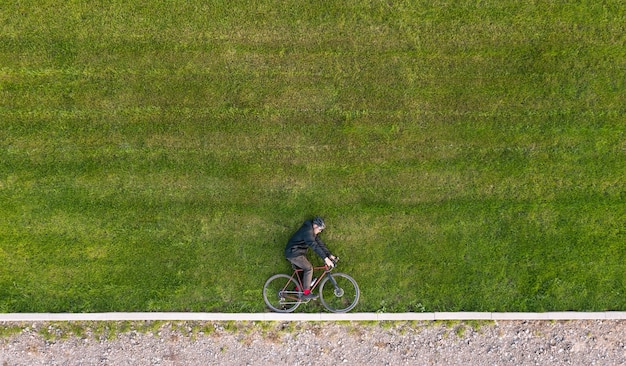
column 329, row 262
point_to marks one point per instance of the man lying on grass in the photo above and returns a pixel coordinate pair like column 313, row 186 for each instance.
column 308, row 237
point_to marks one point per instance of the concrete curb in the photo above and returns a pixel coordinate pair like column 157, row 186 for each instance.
column 46, row 317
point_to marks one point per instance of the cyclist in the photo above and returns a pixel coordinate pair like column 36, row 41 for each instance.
column 308, row 237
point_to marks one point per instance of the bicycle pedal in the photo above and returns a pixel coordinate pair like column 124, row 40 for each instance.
column 308, row 297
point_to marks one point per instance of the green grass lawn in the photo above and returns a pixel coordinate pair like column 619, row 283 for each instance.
column 467, row 156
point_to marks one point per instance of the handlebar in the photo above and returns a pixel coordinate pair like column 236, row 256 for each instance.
column 334, row 263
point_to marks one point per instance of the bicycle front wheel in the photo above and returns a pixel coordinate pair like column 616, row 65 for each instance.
column 340, row 293
column 280, row 293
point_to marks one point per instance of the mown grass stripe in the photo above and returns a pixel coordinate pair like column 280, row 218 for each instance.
column 466, row 156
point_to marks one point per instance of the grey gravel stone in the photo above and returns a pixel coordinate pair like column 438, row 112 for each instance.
column 581, row 342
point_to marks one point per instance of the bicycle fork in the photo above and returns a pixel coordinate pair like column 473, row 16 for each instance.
column 338, row 290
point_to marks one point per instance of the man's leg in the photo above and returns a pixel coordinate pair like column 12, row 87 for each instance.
column 307, row 271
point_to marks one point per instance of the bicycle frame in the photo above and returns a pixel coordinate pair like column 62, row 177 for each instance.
column 294, row 295
column 296, row 274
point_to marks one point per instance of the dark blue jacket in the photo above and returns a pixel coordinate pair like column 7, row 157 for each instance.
column 304, row 239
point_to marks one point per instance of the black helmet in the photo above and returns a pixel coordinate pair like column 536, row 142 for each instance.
column 319, row 222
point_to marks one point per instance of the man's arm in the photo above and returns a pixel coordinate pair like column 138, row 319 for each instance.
column 323, row 248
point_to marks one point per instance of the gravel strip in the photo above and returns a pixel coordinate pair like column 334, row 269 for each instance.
column 584, row 342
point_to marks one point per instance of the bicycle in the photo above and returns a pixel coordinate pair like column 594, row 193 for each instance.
column 339, row 293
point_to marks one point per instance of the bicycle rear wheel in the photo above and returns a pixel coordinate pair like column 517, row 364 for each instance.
column 340, row 296
column 280, row 293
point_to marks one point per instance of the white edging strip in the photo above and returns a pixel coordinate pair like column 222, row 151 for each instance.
column 28, row 317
